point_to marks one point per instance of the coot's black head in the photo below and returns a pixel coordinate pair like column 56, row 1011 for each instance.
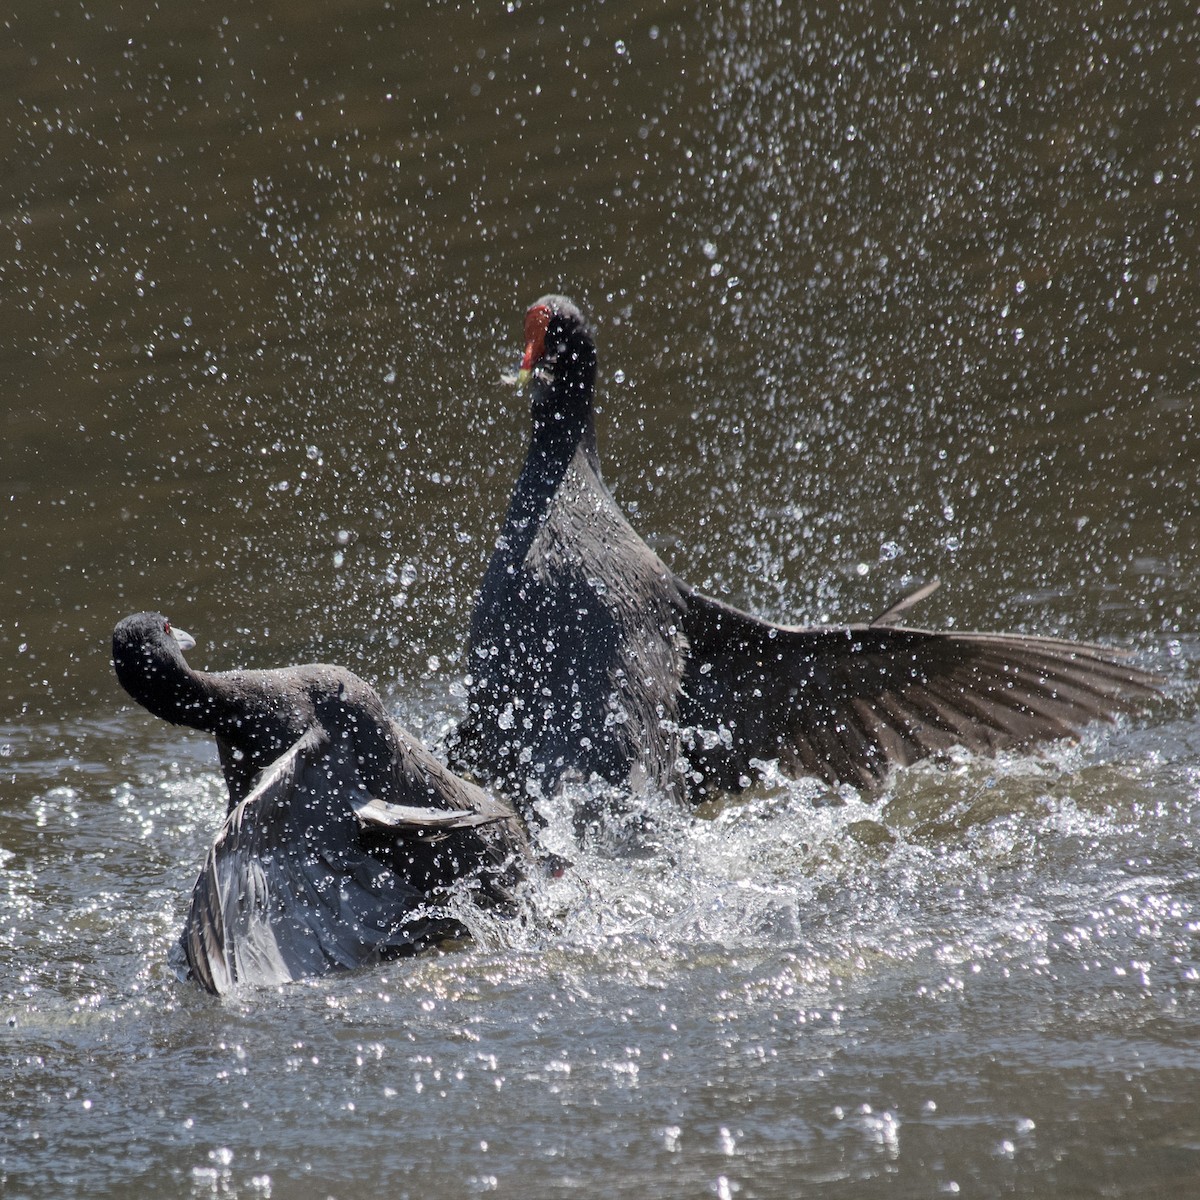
column 560, row 353
column 145, row 647
column 147, row 630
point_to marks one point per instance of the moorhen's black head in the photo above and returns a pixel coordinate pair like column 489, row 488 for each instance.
column 560, row 353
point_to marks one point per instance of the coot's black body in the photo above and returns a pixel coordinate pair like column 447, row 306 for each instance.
column 590, row 658
column 344, row 835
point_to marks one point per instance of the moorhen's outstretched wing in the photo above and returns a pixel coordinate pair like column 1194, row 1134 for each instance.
column 847, row 704
column 286, row 892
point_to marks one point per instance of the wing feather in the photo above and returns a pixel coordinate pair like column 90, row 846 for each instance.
column 846, row 704
column 286, row 892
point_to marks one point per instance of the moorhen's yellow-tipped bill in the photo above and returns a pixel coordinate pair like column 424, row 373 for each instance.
column 537, row 321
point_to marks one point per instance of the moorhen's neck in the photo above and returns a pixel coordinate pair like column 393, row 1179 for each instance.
column 563, row 418
column 155, row 673
column 561, row 404
column 563, row 427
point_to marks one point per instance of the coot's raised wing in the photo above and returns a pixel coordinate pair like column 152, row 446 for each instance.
column 286, row 892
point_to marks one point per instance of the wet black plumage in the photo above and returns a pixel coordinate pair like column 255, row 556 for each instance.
column 344, row 834
column 590, row 657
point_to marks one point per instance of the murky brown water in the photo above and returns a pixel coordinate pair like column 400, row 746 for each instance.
column 879, row 298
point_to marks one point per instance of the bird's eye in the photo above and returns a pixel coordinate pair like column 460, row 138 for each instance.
column 166, row 627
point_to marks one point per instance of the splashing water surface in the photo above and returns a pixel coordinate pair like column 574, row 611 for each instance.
column 880, row 296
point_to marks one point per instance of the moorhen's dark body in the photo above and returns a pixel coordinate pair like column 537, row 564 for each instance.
column 589, row 657
column 344, row 834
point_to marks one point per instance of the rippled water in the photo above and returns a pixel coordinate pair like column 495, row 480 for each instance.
column 989, row 981
column 879, row 298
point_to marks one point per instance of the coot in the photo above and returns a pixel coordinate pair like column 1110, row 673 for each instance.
column 590, row 659
column 344, row 836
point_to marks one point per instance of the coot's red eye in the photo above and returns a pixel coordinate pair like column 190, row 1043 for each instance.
column 166, row 627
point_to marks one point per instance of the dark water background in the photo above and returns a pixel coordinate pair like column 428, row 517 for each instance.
column 882, row 292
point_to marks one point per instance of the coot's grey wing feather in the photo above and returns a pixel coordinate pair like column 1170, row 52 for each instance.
column 847, row 704
column 285, row 892
column 403, row 818
column 420, row 772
